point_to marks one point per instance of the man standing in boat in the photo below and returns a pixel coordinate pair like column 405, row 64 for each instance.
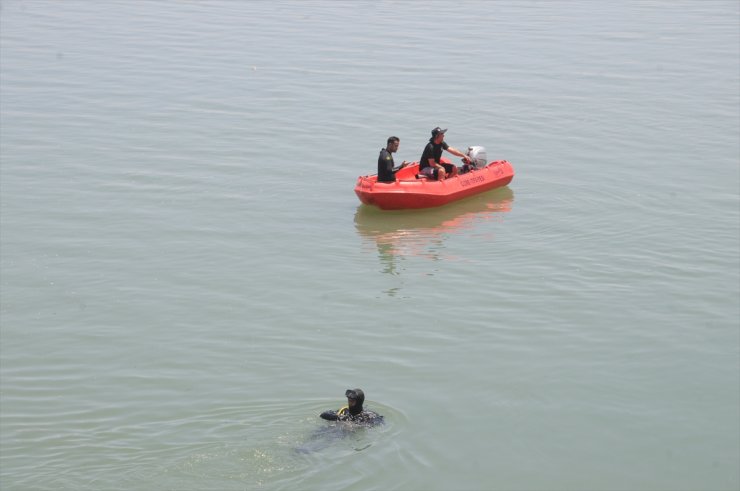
column 386, row 172
column 429, row 163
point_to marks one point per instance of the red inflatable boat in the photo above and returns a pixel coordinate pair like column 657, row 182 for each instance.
column 411, row 191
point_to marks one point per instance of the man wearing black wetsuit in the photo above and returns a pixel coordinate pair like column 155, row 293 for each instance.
column 353, row 411
column 386, row 172
column 429, row 163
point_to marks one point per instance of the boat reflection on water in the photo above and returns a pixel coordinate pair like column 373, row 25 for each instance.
column 421, row 233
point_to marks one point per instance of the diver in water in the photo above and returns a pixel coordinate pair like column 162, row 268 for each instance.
column 353, row 411
column 350, row 419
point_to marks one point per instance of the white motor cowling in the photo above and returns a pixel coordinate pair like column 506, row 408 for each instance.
column 477, row 156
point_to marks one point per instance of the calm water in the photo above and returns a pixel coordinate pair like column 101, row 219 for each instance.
column 188, row 279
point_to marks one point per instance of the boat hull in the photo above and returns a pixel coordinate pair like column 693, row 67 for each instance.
column 409, row 192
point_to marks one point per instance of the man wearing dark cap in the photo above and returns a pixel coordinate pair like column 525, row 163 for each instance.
column 429, row 163
column 386, row 172
column 353, row 411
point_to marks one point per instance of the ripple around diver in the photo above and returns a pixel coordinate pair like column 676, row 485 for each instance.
column 320, row 435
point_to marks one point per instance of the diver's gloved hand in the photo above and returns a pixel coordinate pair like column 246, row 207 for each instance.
column 330, row 415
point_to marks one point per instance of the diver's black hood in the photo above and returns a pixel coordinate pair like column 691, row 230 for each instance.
column 358, row 396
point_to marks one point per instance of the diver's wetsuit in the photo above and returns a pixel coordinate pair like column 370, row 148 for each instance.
column 354, row 414
column 369, row 418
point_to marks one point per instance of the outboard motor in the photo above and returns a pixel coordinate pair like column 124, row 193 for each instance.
column 477, row 157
